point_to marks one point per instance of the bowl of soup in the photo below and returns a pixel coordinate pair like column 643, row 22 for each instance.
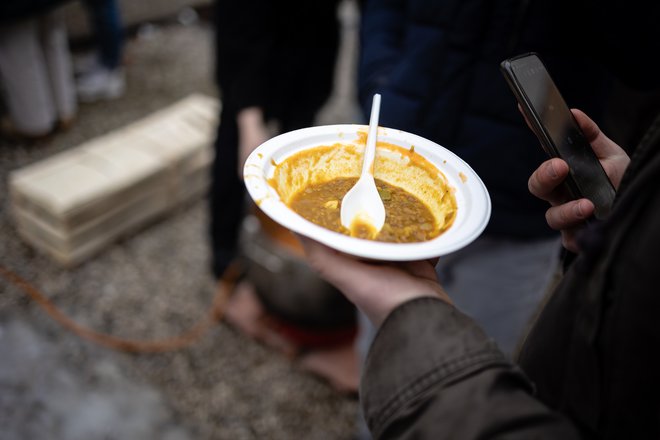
column 434, row 202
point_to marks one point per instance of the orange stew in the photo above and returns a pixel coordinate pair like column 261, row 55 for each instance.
column 407, row 219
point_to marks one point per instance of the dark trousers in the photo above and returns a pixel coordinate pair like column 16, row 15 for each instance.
column 106, row 23
column 227, row 198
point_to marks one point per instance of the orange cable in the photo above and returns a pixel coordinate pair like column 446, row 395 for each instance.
column 129, row 345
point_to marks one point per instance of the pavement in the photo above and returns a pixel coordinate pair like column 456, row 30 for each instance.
column 154, row 284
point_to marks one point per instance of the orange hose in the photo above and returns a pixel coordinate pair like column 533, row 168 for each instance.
column 129, row 345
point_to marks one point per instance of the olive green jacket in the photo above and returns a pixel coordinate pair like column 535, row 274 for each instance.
column 588, row 369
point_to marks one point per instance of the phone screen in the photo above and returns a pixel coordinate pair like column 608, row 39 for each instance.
column 558, row 131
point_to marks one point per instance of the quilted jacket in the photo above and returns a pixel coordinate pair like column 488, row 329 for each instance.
column 436, row 65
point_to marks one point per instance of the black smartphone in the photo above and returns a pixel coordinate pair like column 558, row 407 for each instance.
column 557, row 130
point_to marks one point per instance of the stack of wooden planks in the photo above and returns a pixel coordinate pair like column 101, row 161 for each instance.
column 74, row 204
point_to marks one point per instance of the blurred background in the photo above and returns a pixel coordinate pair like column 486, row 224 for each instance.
column 153, row 283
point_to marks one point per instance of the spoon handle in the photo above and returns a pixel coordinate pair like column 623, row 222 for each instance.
column 370, row 150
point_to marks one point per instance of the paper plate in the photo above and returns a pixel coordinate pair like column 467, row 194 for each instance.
column 472, row 199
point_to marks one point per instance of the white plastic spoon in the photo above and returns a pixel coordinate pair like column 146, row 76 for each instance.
column 362, row 204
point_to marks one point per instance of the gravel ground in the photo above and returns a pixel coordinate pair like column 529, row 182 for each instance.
column 151, row 285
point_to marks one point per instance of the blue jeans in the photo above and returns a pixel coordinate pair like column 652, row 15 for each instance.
column 108, row 32
column 500, row 283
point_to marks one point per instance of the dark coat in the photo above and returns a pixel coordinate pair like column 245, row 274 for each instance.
column 589, row 368
column 277, row 55
column 436, row 64
column 15, row 10
column 591, row 352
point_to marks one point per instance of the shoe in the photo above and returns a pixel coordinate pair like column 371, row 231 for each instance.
column 10, row 133
column 64, row 124
column 101, row 84
column 85, row 63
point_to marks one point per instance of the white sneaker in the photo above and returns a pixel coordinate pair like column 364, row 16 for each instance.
column 101, row 84
column 83, row 63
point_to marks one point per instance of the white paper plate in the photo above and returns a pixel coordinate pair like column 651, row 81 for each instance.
column 472, row 200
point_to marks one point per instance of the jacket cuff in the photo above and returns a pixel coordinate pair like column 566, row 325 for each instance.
column 422, row 345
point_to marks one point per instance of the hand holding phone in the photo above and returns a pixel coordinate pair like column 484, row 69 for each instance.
column 557, row 130
column 547, row 183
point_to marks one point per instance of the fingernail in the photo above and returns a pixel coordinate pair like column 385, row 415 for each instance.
column 578, row 210
column 551, row 170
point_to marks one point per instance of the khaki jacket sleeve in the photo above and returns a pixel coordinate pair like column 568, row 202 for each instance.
column 432, row 373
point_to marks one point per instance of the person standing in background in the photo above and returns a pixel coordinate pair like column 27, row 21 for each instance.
column 36, row 73
column 274, row 63
column 436, row 65
column 104, row 78
column 275, row 68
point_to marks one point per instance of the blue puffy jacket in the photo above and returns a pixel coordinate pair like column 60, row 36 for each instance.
column 436, row 64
